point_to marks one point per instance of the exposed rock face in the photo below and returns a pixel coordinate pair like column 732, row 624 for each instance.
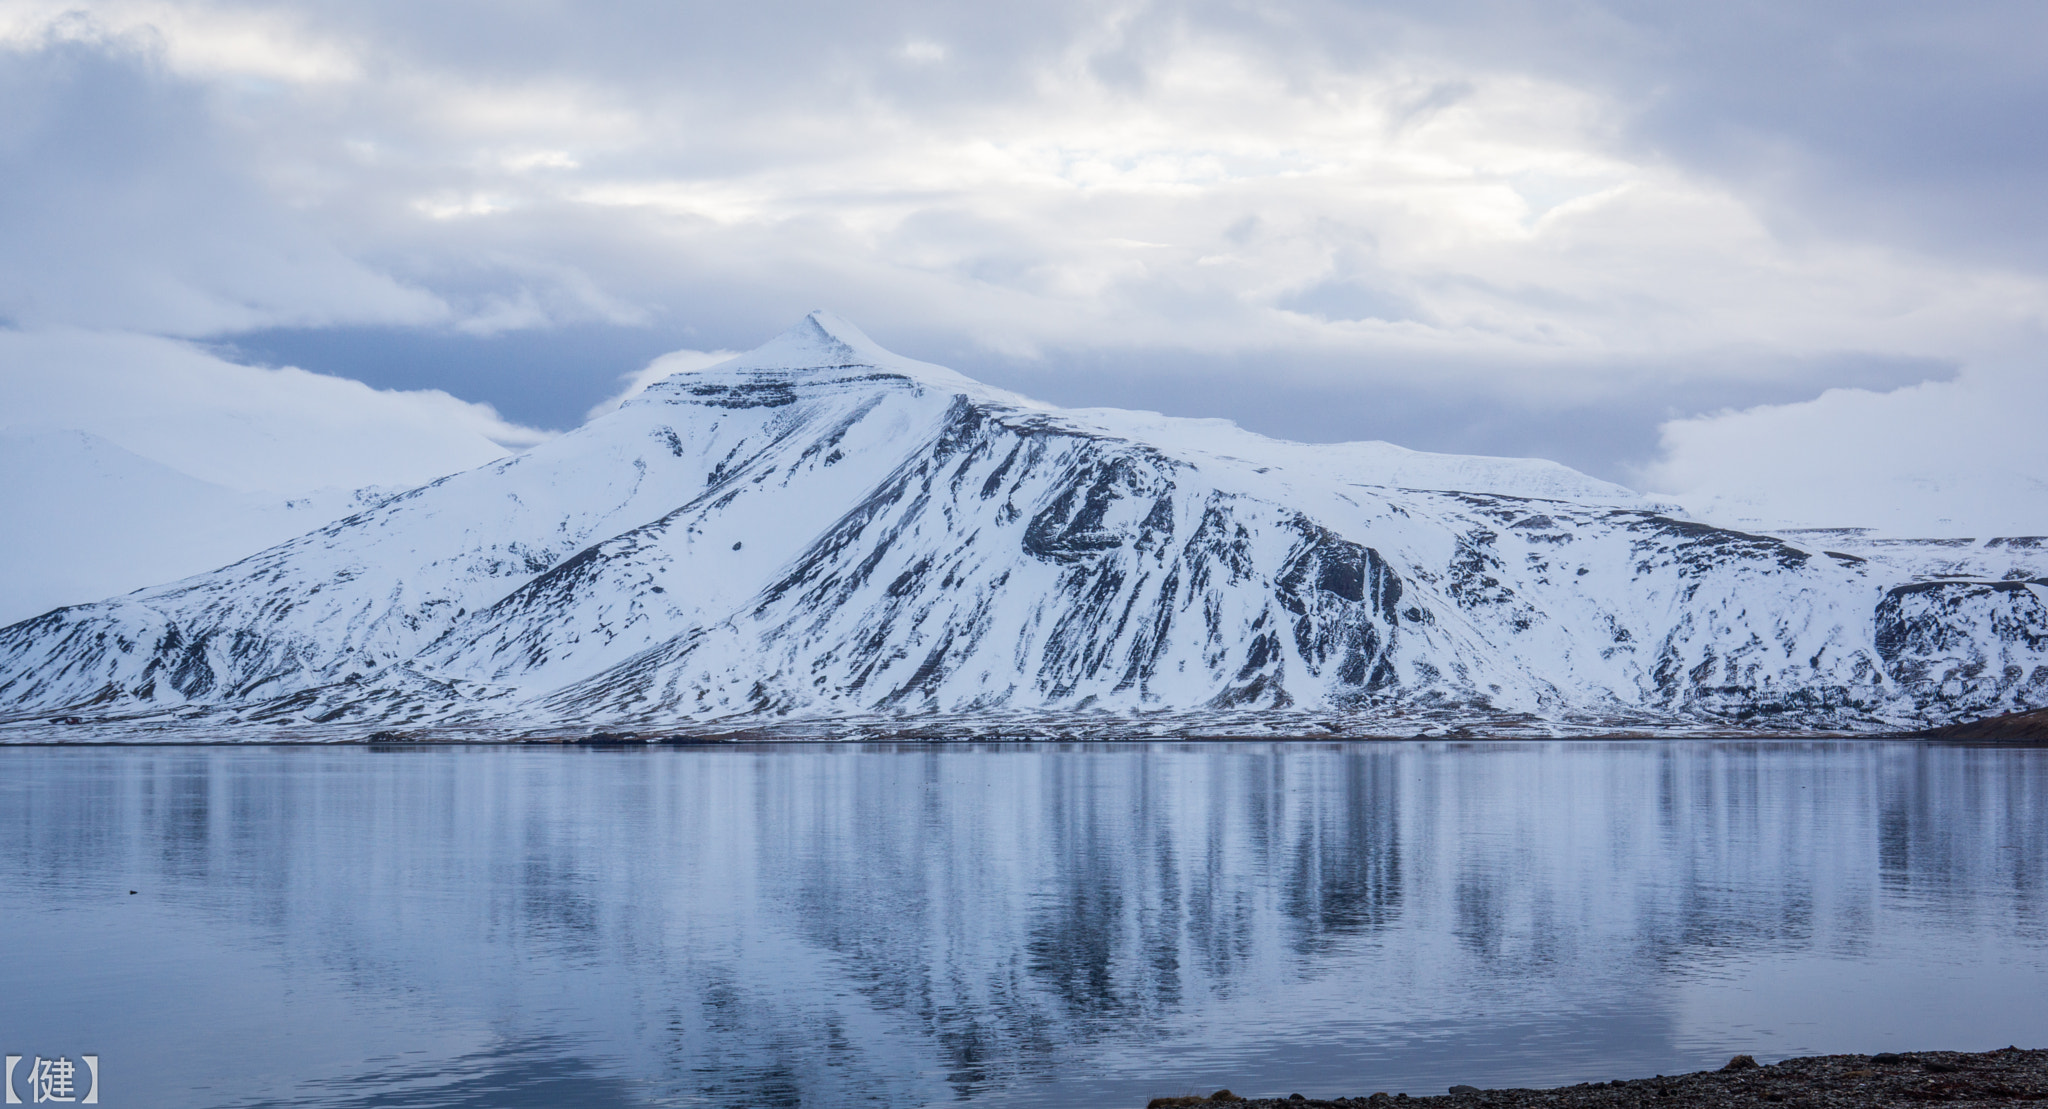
column 1967, row 642
column 821, row 529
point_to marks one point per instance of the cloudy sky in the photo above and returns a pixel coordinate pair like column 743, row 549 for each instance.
column 1744, row 253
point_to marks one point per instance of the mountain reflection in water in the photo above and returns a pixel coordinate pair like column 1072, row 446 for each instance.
column 1008, row 925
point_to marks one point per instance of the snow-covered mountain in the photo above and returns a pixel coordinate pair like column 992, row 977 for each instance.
column 821, row 530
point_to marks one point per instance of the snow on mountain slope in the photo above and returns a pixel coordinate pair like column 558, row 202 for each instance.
column 1310, row 466
column 821, row 529
column 776, row 458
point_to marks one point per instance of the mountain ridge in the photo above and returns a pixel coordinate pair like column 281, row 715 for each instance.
column 819, row 530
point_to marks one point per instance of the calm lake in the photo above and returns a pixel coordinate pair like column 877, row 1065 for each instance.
column 1072, row 925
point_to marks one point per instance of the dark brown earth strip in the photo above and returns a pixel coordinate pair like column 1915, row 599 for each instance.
column 2008, row 1077
column 2015, row 727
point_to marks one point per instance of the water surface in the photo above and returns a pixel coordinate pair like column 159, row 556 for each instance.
column 1073, row 926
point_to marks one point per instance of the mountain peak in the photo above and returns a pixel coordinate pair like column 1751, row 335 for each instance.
column 823, row 348
column 820, row 340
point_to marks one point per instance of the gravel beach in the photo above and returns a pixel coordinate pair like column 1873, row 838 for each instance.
column 2010, row 1076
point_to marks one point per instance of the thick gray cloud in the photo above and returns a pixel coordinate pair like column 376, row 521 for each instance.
column 1919, row 125
column 1472, row 225
column 125, row 202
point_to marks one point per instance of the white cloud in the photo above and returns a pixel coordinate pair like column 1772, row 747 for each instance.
column 1939, row 459
column 674, row 362
column 1463, row 201
column 1197, row 211
column 242, row 427
column 196, row 39
column 129, row 202
column 1496, row 206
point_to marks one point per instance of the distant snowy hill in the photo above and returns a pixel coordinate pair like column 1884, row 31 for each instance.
column 86, row 518
column 820, row 530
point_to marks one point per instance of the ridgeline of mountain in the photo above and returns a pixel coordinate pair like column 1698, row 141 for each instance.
column 821, row 531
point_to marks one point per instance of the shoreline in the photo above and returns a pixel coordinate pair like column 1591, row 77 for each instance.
column 2019, row 729
column 2009, row 1076
column 235, row 736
